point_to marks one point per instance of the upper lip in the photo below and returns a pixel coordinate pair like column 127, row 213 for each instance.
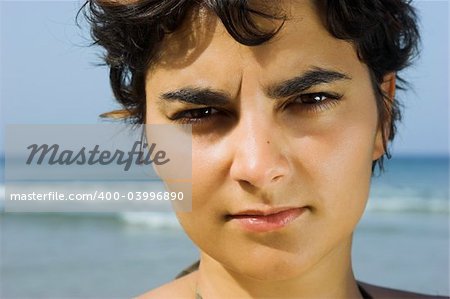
column 263, row 212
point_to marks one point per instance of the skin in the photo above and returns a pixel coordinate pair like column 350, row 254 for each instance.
column 257, row 152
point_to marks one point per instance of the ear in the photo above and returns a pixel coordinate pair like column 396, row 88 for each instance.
column 388, row 88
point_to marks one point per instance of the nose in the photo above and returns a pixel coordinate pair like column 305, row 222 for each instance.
column 260, row 156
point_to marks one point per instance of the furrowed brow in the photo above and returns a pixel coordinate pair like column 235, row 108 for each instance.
column 303, row 82
column 197, row 96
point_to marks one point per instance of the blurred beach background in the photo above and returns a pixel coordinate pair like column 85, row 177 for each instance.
column 48, row 76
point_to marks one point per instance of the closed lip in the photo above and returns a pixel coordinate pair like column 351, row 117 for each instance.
column 265, row 220
column 263, row 212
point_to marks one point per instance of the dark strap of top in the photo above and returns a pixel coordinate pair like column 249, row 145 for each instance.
column 195, row 266
column 188, row 270
column 364, row 292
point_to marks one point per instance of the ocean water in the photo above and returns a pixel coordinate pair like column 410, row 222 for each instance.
column 402, row 242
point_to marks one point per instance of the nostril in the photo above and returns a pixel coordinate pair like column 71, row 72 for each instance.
column 276, row 178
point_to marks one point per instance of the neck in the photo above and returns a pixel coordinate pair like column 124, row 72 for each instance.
column 331, row 277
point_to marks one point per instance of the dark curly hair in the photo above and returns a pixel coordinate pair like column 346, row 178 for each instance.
column 384, row 32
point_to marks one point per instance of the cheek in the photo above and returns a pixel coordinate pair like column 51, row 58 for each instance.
column 208, row 173
column 338, row 161
column 205, row 218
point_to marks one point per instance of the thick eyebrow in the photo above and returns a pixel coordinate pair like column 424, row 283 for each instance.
column 208, row 97
column 197, row 96
column 304, row 82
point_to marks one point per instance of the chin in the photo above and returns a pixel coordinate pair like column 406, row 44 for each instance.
column 272, row 267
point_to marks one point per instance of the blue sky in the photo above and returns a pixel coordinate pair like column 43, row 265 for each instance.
column 48, row 75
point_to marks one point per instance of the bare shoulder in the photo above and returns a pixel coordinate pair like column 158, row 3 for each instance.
column 179, row 288
column 378, row 292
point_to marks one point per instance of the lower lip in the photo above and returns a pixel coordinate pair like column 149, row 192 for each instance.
column 261, row 223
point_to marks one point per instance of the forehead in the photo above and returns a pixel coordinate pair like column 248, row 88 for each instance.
column 202, row 52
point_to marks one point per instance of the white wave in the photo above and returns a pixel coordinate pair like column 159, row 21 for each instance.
column 151, row 219
column 403, row 204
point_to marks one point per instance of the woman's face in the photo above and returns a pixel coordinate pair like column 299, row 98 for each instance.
column 288, row 125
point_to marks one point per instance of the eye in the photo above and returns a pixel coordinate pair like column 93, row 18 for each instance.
column 316, row 98
column 314, row 102
column 194, row 116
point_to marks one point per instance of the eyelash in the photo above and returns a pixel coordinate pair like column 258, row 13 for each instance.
column 330, row 100
column 181, row 118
